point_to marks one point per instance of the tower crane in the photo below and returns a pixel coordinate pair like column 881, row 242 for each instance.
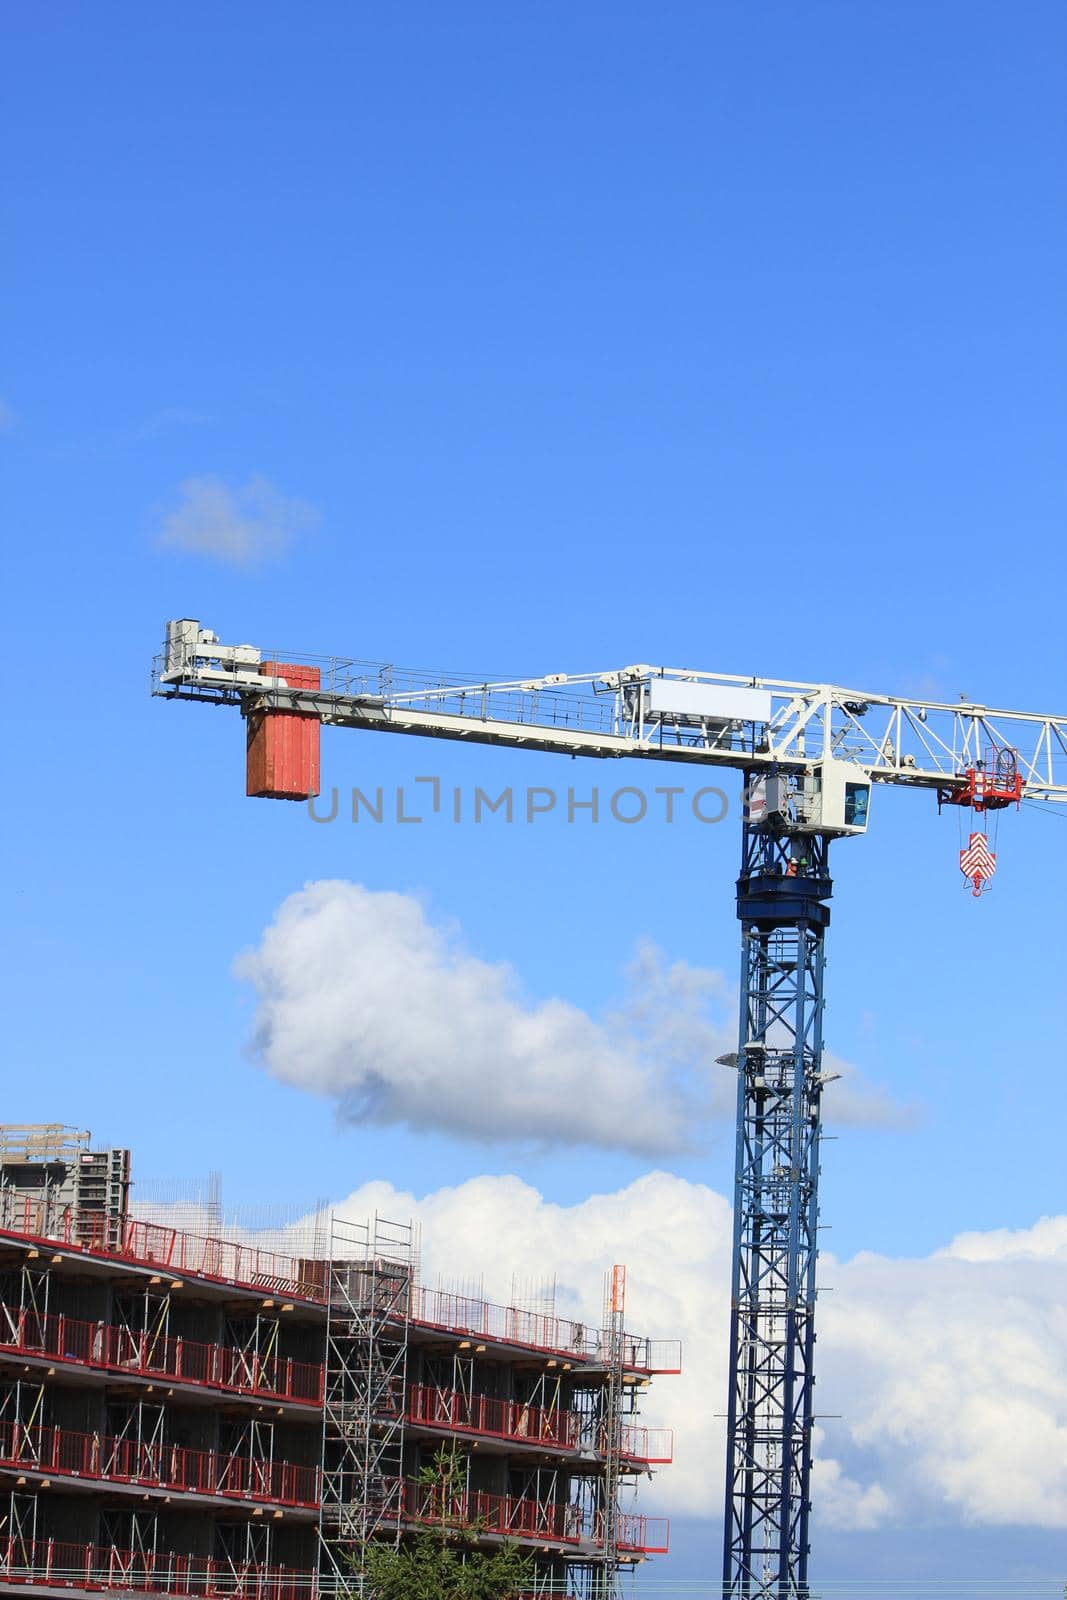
column 810, row 757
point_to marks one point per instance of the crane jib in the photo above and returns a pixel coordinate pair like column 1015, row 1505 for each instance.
column 643, row 713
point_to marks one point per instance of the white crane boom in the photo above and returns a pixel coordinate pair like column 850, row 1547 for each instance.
column 659, row 713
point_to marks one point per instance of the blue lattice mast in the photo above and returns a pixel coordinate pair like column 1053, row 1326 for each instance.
column 781, row 897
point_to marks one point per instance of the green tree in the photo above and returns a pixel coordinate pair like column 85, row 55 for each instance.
column 443, row 1561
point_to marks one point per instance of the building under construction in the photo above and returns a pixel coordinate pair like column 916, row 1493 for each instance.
column 186, row 1414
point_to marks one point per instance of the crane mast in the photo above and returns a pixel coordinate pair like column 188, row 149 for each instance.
column 809, row 755
column 781, row 903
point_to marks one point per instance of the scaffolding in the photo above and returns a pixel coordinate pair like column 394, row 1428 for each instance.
column 406, row 1373
column 611, row 1443
column 606, row 1404
column 42, row 1143
column 372, row 1269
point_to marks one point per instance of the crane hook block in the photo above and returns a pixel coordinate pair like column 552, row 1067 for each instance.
column 283, row 744
column 978, row 863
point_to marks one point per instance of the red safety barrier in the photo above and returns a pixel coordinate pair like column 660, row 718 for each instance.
column 246, row 1266
column 653, row 1447
column 557, row 1429
column 96, row 1344
column 57, row 1564
column 501, row 1419
column 517, row 1517
column 578, row 1341
column 59, row 1452
column 171, row 1249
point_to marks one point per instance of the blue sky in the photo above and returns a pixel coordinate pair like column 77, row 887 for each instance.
column 709, row 335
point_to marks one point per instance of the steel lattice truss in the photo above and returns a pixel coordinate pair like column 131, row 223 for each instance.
column 907, row 740
column 371, row 1275
column 772, row 1335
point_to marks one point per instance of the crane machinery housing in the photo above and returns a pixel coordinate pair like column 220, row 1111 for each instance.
column 810, row 756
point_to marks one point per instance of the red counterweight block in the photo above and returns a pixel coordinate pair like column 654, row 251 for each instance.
column 283, row 745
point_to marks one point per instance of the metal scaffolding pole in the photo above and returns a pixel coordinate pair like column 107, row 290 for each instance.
column 598, row 1576
column 371, row 1281
column 781, row 897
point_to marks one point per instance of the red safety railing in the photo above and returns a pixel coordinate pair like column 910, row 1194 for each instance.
column 171, row 1249
column 557, row 1429
column 438, row 1308
column 246, row 1266
column 517, row 1517
column 96, row 1344
column 662, row 1357
column 501, row 1419
column 651, row 1446
column 61, row 1453
column 550, row 1335
column 56, row 1564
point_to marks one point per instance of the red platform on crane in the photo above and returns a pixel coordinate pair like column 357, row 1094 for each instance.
column 991, row 786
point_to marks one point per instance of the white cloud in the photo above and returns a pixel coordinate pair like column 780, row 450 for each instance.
column 949, row 1376
column 855, row 1102
column 952, row 1374
column 361, row 998
column 842, row 1502
column 245, row 525
column 1047, row 1238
